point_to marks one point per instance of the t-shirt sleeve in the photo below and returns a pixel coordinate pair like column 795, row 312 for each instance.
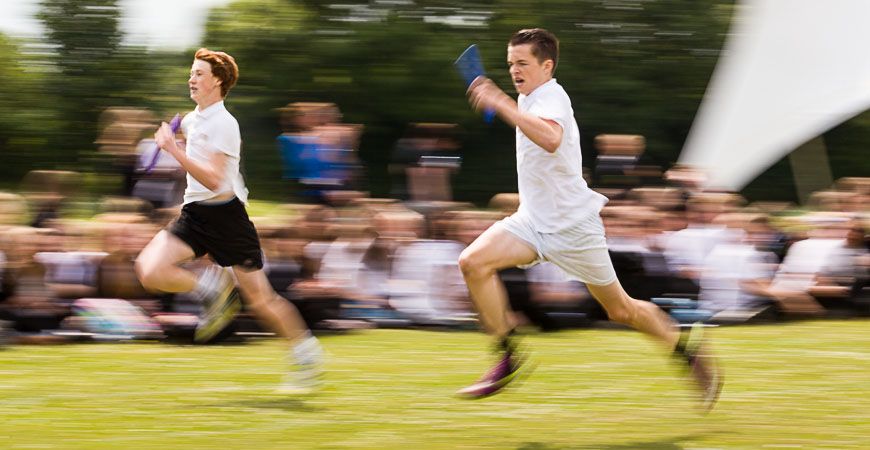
column 228, row 140
column 185, row 124
column 552, row 105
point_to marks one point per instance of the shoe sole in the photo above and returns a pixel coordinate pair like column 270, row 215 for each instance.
column 708, row 401
column 698, row 343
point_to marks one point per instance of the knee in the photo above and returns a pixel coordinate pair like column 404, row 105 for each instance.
column 471, row 265
column 147, row 274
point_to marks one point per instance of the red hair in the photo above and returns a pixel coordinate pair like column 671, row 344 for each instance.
column 223, row 66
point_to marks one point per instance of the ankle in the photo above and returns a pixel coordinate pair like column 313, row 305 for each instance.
column 507, row 343
column 306, row 349
column 688, row 342
column 208, row 282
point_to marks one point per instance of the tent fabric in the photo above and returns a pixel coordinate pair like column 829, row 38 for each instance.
column 790, row 70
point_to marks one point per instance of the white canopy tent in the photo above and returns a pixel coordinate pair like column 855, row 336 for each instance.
column 790, row 70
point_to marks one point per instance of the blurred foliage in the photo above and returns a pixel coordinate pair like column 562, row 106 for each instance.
column 85, row 40
column 631, row 66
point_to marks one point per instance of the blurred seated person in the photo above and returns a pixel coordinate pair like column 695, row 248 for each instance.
column 283, row 251
column 634, row 236
column 124, row 237
column 848, row 269
column 46, row 191
column 315, row 230
column 686, row 249
column 826, row 265
column 425, row 283
column 120, row 131
column 71, row 270
column 31, row 305
column 556, row 301
column 734, row 269
column 336, row 268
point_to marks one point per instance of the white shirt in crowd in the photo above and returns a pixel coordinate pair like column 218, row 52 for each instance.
column 725, row 268
column 810, row 258
column 687, row 249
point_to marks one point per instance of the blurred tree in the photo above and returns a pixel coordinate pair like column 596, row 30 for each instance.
column 25, row 117
column 86, row 42
column 631, row 66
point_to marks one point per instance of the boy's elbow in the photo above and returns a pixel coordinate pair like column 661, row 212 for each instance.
column 553, row 140
column 212, row 184
column 552, row 145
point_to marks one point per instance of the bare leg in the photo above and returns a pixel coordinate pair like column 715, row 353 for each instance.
column 493, row 250
column 280, row 316
column 270, row 308
column 157, row 264
column 640, row 315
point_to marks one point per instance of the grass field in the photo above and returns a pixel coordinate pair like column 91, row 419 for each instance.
column 797, row 385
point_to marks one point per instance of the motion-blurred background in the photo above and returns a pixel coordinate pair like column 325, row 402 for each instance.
column 635, row 67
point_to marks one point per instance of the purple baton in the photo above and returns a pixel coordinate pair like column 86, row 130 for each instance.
column 174, row 124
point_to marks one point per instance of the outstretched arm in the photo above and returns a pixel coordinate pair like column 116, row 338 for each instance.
column 484, row 94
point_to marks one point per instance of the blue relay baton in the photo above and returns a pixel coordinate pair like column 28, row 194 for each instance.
column 470, row 67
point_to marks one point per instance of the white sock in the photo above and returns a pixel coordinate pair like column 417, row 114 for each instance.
column 207, row 283
column 307, row 350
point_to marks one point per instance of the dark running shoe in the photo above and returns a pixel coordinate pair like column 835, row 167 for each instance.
column 702, row 366
column 220, row 308
column 508, row 368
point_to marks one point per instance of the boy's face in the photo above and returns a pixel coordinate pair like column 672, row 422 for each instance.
column 202, row 83
column 526, row 71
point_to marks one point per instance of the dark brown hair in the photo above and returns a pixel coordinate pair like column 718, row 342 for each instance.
column 545, row 45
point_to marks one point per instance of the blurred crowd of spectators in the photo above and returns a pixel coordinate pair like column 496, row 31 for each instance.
column 348, row 260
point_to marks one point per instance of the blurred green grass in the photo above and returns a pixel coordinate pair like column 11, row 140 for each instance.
column 795, row 385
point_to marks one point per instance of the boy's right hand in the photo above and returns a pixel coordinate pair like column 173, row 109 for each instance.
column 165, row 137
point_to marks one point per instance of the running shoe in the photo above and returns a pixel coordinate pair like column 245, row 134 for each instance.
column 508, row 368
column 219, row 308
column 305, row 376
column 702, row 365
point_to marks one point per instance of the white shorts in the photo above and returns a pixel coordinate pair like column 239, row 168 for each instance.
column 580, row 251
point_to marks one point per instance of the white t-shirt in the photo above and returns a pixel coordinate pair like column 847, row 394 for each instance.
column 687, row 249
column 425, row 281
column 725, row 268
column 208, row 131
column 553, row 193
column 809, row 258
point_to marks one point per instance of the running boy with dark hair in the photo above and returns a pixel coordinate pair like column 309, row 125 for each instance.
column 558, row 220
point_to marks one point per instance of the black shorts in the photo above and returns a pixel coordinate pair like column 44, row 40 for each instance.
column 222, row 230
